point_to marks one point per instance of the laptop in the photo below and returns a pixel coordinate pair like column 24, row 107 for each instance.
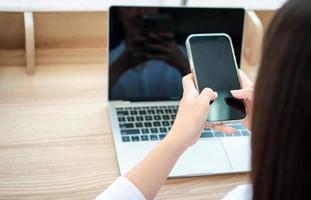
column 147, row 60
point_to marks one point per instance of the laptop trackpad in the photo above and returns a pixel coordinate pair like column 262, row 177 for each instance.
column 239, row 152
column 204, row 157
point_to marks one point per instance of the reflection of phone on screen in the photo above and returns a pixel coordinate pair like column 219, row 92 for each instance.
column 213, row 64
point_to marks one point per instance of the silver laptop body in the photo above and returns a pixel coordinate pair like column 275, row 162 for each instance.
column 139, row 125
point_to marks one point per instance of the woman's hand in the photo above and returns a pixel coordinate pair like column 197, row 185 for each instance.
column 186, row 130
column 192, row 113
column 246, row 94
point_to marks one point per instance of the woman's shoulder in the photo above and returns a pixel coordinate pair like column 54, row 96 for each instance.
column 121, row 189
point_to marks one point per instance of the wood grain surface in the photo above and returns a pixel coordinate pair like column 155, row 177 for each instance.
column 56, row 141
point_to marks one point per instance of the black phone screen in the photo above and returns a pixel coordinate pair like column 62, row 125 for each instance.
column 215, row 67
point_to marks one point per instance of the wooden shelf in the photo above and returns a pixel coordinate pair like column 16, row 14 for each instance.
column 31, row 36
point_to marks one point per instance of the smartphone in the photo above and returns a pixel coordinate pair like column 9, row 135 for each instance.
column 214, row 65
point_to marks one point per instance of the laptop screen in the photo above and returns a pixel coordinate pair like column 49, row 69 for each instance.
column 147, row 54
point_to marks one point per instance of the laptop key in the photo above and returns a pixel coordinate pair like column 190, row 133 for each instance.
column 153, row 137
column 207, row 134
column 160, row 111
column 121, row 119
column 122, row 113
column 126, row 125
column 145, row 131
column 161, row 136
column 142, row 112
column 163, row 130
column 173, row 117
column 156, row 124
column 245, row 133
column 135, row 138
column 144, row 137
column 138, row 124
column 126, row 139
column 147, row 124
column 139, row 118
column 165, row 123
column 237, row 133
column 148, row 118
column 237, row 126
column 130, row 119
column 157, row 117
column 133, row 112
column 151, row 112
column 129, row 131
column 154, row 130
column 168, row 111
column 166, row 117
column 219, row 134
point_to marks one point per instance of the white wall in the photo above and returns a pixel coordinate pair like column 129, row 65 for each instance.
column 248, row 4
column 75, row 5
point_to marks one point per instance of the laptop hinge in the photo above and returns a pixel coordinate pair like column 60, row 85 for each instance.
column 120, row 102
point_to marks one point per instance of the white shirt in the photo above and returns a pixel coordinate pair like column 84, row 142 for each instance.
column 122, row 189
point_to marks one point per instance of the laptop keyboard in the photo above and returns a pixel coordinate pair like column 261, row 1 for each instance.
column 152, row 123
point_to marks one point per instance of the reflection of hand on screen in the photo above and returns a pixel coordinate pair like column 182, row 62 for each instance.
column 162, row 46
column 133, row 56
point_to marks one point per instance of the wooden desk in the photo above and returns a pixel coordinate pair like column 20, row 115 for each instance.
column 55, row 136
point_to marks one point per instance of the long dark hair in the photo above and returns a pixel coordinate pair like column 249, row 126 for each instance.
column 281, row 139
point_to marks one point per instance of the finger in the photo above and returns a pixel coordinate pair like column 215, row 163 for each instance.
column 154, row 37
column 139, row 56
column 166, row 35
column 157, row 48
column 188, row 86
column 207, row 95
column 157, row 56
column 245, row 93
column 245, row 80
column 138, row 40
column 221, row 127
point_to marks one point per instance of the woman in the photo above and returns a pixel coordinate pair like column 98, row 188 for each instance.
column 278, row 118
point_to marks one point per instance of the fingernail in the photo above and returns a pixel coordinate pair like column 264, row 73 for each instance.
column 234, row 91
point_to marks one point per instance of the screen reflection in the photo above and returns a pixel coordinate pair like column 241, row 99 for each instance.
column 148, row 61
